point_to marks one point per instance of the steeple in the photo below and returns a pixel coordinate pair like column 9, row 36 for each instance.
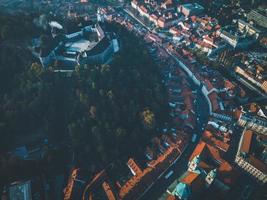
column 193, row 164
column 210, row 177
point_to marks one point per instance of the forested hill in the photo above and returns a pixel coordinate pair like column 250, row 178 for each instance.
column 121, row 103
column 104, row 112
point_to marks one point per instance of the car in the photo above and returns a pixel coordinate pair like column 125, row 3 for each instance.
column 166, row 144
column 194, row 137
column 170, row 173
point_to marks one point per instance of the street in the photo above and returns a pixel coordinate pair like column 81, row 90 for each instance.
column 202, row 113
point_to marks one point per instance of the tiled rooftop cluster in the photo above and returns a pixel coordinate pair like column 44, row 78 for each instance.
column 250, row 66
column 207, row 166
column 185, row 22
column 190, row 28
column 219, row 90
column 217, row 137
column 160, row 155
column 181, row 99
column 201, row 32
column 162, row 15
column 252, row 150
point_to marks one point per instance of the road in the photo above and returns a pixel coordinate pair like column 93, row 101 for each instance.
column 180, row 166
column 202, row 112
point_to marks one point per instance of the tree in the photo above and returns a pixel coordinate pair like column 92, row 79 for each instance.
column 37, row 69
column 148, row 118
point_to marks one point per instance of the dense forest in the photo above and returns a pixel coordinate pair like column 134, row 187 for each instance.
column 102, row 113
column 117, row 107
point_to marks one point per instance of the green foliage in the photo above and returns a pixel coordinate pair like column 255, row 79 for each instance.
column 106, row 112
column 14, row 27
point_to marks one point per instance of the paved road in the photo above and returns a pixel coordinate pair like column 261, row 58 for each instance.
column 202, row 112
column 181, row 166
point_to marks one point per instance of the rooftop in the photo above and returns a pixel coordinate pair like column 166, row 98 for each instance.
column 20, row 191
column 192, row 6
column 251, row 149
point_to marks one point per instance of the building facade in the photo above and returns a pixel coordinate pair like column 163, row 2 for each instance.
column 246, row 160
column 253, row 123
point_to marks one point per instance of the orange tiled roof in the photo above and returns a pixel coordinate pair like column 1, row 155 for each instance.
column 137, row 184
column 153, row 16
column 171, row 197
column 215, row 153
column 206, row 37
column 245, row 146
column 226, row 173
column 253, row 107
column 214, row 102
column 69, row 189
column 98, row 179
column 205, row 166
column 225, row 167
column 189, row 178
column 132, row 164
column 161, row 19
column 143, row 9
column 208, row 84
column 198, row 150
column 209, row 138
column 229, row 84
column 258, row 164
column 108, row 191
column 217, row 26
column 193, row 18
column 237, row 113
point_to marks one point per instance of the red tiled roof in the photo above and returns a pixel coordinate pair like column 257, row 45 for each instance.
column 193, row 18
column 253, row 107
column 137, row 184
column 225, row 166
column 208, row 84
column 237, row 113
column 245, row 146
column 229, row 84
column 226, row 173
column 258, row 164
column 171, row 197
column 214, row 102
column 215, row 153
column 153, row 16
column 208, row 27
column 69, row 189
column 205, row 45
column 174, row 30
column 198, row 150
column 206, row 37
column 189, row 177
column 194, row 180
column 132, row 164
column 108, row 191
column 161, row 19
column 143, row 9
column 264, row 40
column 205, row 166
column 208, row 137
column 217, row 26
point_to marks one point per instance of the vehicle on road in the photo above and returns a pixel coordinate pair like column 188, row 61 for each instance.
column 170, row 173
column 194, row 137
